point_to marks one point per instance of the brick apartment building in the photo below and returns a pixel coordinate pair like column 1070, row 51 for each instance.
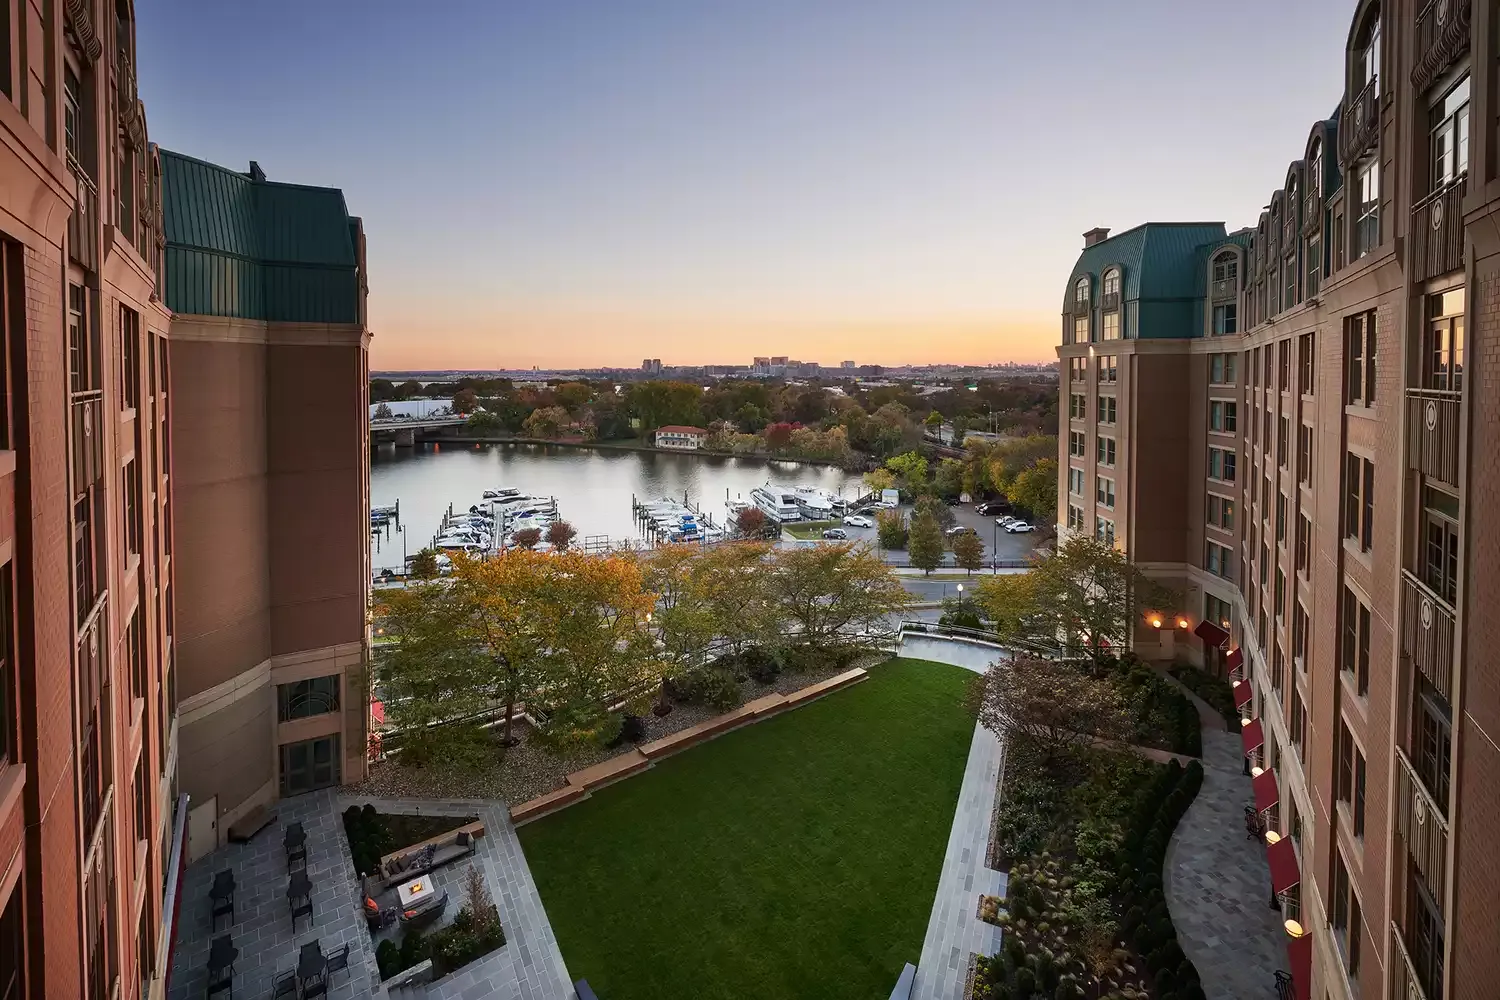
column 265, row 344
column 1287, row 426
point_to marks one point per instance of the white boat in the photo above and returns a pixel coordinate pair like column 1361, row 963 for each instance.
column 777, row 503
column 815, row 504
column 500, row 494
column 459, row 545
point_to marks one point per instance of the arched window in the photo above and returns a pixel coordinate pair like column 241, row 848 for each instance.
column 1315, row 169
column 1227, row 268
column 1112, row 282
column 1367, row 52
column 1081, row 290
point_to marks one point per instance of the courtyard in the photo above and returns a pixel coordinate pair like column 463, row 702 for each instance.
column 797, row 857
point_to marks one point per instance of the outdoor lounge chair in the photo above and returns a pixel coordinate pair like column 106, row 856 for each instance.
column 424, row 913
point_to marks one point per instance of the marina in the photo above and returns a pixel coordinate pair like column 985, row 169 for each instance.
column 475, row 498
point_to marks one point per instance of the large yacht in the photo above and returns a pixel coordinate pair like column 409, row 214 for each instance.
column 777, row 502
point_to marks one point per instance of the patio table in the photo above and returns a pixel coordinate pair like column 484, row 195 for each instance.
column 415, row 891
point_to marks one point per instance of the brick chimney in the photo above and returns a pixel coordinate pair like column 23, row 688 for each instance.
column 1096, row 235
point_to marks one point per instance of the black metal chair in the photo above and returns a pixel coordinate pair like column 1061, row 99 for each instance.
column 338, row 961
column 222, row 895
column 219, row 986
column 1284, row 988
column 294, row 841
column 286, row 985
column 302, row 908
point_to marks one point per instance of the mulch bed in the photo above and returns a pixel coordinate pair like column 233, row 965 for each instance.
column 528, row 769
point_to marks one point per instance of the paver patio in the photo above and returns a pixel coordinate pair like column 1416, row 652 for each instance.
column 1217, row 882
column 528, row 967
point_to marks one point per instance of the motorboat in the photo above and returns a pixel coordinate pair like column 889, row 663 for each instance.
column 815, row 504
column 777, row 503
column 500, row 494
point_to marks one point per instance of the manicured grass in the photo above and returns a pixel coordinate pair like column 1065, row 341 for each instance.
column 798, row 857
column 810, row 529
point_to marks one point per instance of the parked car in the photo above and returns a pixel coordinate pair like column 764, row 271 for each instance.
column 993, row 507
column 835, row 533
column 1006, row 521
column 952, row 501
column 1018, row 528
column 962, row 529
column 884, row 505
column 858, row 521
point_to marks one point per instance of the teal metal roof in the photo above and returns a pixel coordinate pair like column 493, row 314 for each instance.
column 1160, row 270
column 240, row 245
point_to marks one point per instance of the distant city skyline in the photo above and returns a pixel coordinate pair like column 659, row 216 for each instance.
column 582, row 183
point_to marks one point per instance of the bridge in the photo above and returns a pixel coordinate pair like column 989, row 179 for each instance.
column 404, row 432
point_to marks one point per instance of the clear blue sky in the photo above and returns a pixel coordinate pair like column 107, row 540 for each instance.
column 571, row 183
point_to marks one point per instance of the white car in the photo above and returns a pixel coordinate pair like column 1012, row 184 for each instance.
column 858, row 521
column 1018, row 528
column 884, row 505
column 1006, row 521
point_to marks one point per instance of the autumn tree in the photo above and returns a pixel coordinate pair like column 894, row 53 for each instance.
column 1085, row 598
column 560, row 535
column 968, row 551
column 464, row 401
column 1058, row 705
column 750, row 522
column 879, row 480
column 733, row 580
column 658, row 403
column 890, row 529
column 779, row 435
column 684, row 621
column 910, row 468
column 546, row 421
column 1035, row 489
column 527, row 538
column 483, row 423
column 948, row 480
column 826, row 591
column 924, row 546
column 424, row 565
column 573, row 395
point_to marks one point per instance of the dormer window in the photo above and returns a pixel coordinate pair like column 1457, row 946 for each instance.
column 1111, row 283
column 1315, row 170
column 1450, row 136
column 1226, row 267
column 1367, row 59
column 1081, row 292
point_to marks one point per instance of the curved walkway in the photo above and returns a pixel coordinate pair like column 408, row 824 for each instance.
column 1218, row 886
column 954, row 931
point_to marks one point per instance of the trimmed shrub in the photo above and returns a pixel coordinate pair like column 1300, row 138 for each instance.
column 413, row 949
column 388, row 958
column 760, row 665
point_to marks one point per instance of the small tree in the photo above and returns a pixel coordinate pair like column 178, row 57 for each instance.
column 1036, row 490
column 779, row 435
column 526, row 538
column 934, row 421
column 1059, row 705
column 383, row 412
column 940, row 511
column 750, row 522
column 484, row 423
column 925, row 545
column 424, row 565
column 890, row 529
column 968, row 551
column 879, row 480
column 464, row 401
column 560, row 535
column 911, row 469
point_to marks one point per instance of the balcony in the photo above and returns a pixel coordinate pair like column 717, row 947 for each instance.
column 1312, row 213
column 1226, row 289
column 1405, row 983
column 83, row 224
column 1442, row 36
column 1437, row 232
column 1427, row 633
column 1111, row 301
column 1080, row 307
column 1359, row 125
column 1422, row 825
column 1432, row 417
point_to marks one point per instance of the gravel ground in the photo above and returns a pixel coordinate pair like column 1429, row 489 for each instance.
column 528, row 770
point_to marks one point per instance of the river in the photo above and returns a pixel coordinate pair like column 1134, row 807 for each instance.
column 593, row 487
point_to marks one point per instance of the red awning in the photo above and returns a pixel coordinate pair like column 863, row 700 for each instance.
column 1285, row 873
column 1252, row 735
column 1211, row 633
column 1242, row 693
column 377, row 712
column 1299, row 954
column 1234, row 659
column 1266, row 793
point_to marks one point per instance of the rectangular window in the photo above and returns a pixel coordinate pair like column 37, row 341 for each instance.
column 1217, row 611
column 1106, row 449
column 1305, row 363
column 130, row 479
column 1354, row 652
column 1359, row 500
column 1111, row 325
column 1109, row 368
column 1221, row 369
column 1219, row 560
column 1078, row 406
column 1283, row 365
column 1278, row 664
column 1282, row 433
column 1304, row 454
column 1298, row 727
column 1078, row 369
column 1345, row 918
column 1081, row 329
column 1104, row 530
column 1432, row 733
column 1359, row 359
column 1076, row 444
column 1450, row 136
column 1440, row 543
column 1299, row 634
column 1280, row 518
column 135, row 652
column 1106, row 409
column 1304, row 543
column 1312, row 258
column 1349, row 782
column 1222, row 415
column 130, row 359
column 1104, row 491
column 1075, row 481
column 1443, row 344
column 8, row 699
column 299, row 700
column 1280, row 593
column 1075, row 518
column 1221, row 512
column 1221, row 464
column 1226, row 319
column 1367, row 221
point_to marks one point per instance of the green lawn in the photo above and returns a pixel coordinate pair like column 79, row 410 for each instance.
column 809, row 530
column 797, row 857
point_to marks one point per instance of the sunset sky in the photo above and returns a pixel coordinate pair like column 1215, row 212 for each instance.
column 566, row 184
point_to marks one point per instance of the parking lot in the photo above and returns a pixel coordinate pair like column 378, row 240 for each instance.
column 998, row 544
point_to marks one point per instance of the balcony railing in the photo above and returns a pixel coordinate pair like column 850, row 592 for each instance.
column 1359, row 125
column 1442, row 36
column 83, row 224
column 1405, row 983
column 1437, row 231
column 1427, row 633
column 1080, row 307
column 1111, row 301
column 1312, row 213
column 1432, row 418
column 1422, row 825
column 1226, row 289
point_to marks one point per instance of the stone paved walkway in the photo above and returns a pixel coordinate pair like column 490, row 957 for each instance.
column 1218, row 885
column 954, row 931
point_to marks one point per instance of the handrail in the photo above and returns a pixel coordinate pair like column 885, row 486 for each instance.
column 1419, row 786
column 1427, row 591
column 1418, row 392
column 1413, row 989
column 1436, row 193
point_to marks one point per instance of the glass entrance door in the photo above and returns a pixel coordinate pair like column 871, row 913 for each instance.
column 309, row 765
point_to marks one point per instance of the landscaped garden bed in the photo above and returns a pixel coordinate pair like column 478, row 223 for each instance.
column 1161, row 716
column 531, row 767
column 373, row 834
column 1084, row 833
column 1215, row 690
column 475, row 931
column 796, row 857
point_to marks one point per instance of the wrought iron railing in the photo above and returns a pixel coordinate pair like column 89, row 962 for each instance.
column 83, row 224
column 1427, row 633
column 1226, row 289
column 1432, row 424
column 1359, row 125
column 1437, row 231
column 1442, row 36
column 1405, row 983
column 1422, row 824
